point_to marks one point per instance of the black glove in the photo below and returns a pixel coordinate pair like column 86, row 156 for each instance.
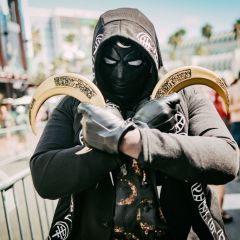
column 158, row 113
column 103, row 127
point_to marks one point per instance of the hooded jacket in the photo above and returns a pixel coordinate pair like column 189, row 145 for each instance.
column 134, row 26
column 207, row 154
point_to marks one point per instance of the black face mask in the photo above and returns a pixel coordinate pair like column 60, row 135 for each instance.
column 124, row 72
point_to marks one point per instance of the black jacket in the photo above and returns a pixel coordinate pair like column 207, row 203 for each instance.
column 207, row 155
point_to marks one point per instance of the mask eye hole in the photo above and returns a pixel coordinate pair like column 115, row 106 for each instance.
column 109, row 61
column 136, row 63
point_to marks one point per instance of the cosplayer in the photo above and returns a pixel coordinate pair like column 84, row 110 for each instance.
column 110, row 192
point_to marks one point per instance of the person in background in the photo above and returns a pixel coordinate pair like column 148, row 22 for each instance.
column 220, row 189
column 8, row 117
column 234, row 91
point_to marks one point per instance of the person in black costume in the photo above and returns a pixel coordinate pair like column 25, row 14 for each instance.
column 137, row 144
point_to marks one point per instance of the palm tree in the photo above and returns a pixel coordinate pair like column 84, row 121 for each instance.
column 207, row 31
column 236, row 29
column 175, row 40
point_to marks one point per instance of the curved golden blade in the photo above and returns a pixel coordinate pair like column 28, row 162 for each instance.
column 70, row 84
column 182, row 77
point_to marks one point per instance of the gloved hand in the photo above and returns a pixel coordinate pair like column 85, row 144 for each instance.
column 158, row 113
column 103, row 127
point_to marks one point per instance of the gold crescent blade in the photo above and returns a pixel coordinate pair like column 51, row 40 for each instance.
column 70, row 84
column 182, row 77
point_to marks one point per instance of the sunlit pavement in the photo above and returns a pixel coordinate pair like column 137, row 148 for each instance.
column 232, row 206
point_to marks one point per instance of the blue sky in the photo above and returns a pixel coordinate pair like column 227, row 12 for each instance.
column 167, row 16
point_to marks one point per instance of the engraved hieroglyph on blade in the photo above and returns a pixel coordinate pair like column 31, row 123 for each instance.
column 69, row 84
column 30, row 108
column 223, row 85
column 172, row 81
column 182, row 77
column 75, row 83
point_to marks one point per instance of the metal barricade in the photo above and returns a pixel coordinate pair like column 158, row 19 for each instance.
column 24, row 215
column 17, row 142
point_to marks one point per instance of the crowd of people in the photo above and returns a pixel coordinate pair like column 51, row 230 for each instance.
column 16, row 115
column 11, row 116
column 16, row 138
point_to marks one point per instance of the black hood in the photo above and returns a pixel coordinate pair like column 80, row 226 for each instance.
column 134, row 26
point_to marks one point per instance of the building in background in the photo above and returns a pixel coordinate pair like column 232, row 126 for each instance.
column 220, row 53
column 62, row 40
column 15, row 48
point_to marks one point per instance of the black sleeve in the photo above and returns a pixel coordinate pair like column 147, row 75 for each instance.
column 56, row 169
column 208, row 154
